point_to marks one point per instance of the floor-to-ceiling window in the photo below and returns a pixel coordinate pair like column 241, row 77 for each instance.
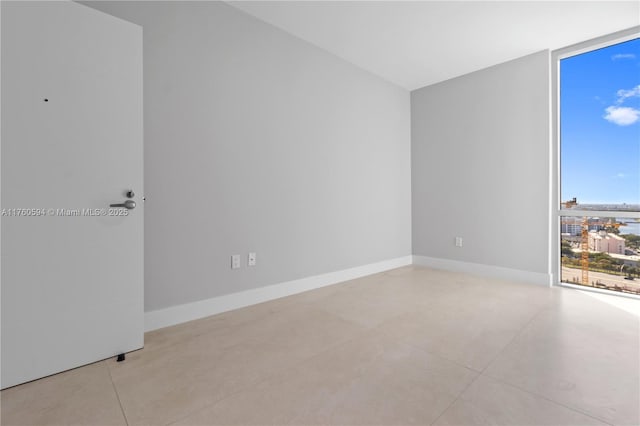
column 599, row 136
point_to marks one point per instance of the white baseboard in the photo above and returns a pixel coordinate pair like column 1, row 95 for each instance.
column 204, row 308
column 490, row 271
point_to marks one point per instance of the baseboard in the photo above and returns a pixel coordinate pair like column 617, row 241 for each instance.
column 490, row 271
column 203, row 308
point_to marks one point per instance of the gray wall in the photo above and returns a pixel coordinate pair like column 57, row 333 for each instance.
column 480, row 166
column 258, row 141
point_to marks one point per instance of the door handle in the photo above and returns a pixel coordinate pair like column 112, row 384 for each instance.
column 129, row 204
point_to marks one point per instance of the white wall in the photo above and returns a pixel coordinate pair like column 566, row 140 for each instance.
column 480, row 166
column 258, row 141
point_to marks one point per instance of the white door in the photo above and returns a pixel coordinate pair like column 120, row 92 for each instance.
column 72, row 267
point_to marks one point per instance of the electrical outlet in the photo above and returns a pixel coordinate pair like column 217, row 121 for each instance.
column 235, row 261
column 251, row 259
column 458, row 241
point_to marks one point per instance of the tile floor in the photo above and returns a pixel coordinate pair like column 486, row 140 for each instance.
column 408, row 346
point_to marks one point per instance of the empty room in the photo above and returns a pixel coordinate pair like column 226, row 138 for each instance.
column 320, row 213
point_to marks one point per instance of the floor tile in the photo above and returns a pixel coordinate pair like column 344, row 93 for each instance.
column 83, row 396
column 582, row 353
column 471, row 332
column 220, row 323
column 399, row 347
column 364, row 309
column 490, row 402
column 369, row 380
column 161, row 386
column 381, row 297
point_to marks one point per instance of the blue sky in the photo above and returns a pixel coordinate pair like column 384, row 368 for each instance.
column 600, row 125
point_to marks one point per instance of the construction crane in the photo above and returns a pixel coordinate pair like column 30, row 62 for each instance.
column 584, row 250
column 584, row 238
column 584, row 242
column 568, row 204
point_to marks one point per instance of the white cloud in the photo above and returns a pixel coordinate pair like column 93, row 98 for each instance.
column 623, row 56
column 620, row 176
column 631, row 93
column 622, row 116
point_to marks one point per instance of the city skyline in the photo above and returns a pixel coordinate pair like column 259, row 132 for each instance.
column 600, row 125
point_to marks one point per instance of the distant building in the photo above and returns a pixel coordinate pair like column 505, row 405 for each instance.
column 604, row 242
column 573, row 225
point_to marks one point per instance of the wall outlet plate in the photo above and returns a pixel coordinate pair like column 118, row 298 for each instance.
column 458, row 241
column 251, row 259
column 235, row 261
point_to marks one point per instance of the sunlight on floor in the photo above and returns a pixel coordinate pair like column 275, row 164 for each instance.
column 628, row 304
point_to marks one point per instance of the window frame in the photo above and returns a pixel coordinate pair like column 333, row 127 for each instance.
column 556, row 212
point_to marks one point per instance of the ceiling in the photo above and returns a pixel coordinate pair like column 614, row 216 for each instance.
column 418, row 43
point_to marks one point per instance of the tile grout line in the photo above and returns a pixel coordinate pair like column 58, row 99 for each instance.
column 184, row 324
column 484, row 373
column 317, row 305
column 256, row 382
column 206, row 333
column 481, row 373
column 456, row 399
column 115, row 389
column 514, row 338
column 441, row 356
column 537, row 395
column 575, row 410
column 329, row 348
column 224, row 397
column 275, row 374
column 244, row 323
column 377, row 330
column 361, row 334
